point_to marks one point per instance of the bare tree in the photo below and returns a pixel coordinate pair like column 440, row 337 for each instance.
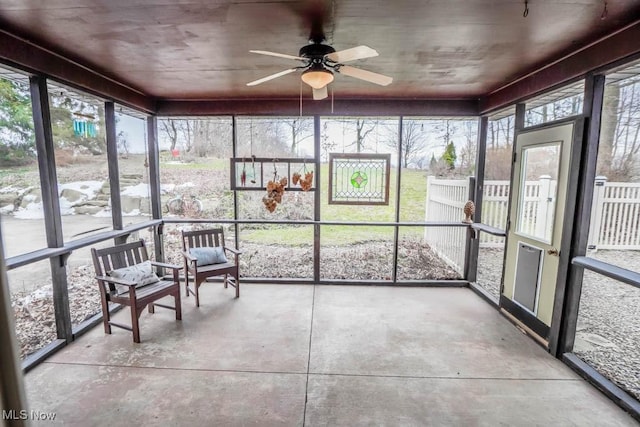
column 169, row 128
column 619, row 148
column 414, row 141
column 326, row 144
column 469, row 148
column 363, row 128
column 299, row 129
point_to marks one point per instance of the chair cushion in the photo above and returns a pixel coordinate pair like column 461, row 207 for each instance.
column 208, row 256
column 142, row 274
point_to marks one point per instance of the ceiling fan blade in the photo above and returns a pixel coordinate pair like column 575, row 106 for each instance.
column 279, row 55
column 272, row 76
column 319, row 94
column 358, row 52
column 361, row 74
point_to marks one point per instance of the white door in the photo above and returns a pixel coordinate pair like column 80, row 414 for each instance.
column 539, row 186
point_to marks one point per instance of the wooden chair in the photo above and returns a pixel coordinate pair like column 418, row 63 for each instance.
column 210, row 238
column 137, row 297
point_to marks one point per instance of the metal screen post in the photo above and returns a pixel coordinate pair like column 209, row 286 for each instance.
column 469, row 274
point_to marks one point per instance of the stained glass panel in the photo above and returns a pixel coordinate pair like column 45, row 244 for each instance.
column 359, row 179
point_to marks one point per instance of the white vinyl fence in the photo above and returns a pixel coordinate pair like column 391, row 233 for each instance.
column 445, row 201
column 615, row 216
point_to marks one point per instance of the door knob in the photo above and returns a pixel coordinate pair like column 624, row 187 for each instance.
column 553, row 251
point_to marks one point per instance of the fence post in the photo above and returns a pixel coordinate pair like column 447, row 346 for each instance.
column 430, row 179
column 596, row 212
column 542, row 208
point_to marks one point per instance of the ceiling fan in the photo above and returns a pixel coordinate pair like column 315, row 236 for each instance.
column 320, row 61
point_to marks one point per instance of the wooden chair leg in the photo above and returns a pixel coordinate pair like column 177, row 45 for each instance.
column 237, row 286
column 106, row 316
column 197, row 286
column 151, row 308
column 186, row 280
column 178, row 303
column 135, row 327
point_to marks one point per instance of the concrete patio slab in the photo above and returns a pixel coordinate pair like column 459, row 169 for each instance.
column 267, row 330
column 357, row 401
column 318, row 356
column 126, row 396
column 421, row 333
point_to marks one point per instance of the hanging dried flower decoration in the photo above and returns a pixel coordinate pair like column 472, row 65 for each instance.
column 275, row 190
column 305, row 183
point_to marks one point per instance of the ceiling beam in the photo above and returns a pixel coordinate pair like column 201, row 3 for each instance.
column 34, row 59
column 341, row 107
column 608, row 50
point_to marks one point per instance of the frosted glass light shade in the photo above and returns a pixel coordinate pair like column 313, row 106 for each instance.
column 317, row 79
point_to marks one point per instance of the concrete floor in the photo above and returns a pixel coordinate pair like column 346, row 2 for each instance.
column 298, row 355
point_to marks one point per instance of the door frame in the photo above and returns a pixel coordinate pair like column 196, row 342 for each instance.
column 548, row 335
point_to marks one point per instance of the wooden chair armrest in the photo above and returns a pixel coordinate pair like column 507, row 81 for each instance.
column 188, row 256
column 233, row 250
column 116, row 281
column 166, row 265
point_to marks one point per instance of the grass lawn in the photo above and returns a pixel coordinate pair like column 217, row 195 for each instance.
column 412, row 205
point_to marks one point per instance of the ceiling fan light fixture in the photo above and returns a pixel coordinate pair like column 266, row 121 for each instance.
column 317, row 77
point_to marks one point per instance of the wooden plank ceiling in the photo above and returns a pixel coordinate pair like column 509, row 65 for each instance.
column 199, row 49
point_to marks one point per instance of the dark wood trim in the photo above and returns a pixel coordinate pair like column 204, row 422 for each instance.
column 234, row 149
column 311, row 222
column 552, row 123
column 482, row 293
column 153, row 156
column 317, row 200
column 518, row 126
column 568, row 230
column 154, row 167
column 396, row 229
column 488, row 229
column 41, row 355
column 346, row 107
column 46, row 160
column 51, row 203
column 112, row 161
column 522, row 315
column 606, row 386
column 34, row 59
column 454, row 283
column 610, row 49
column 481, row 154
column 39, row 255
column 594, row 98
column 620, row 274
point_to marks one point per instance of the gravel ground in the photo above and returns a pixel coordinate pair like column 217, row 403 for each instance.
column 608, row 329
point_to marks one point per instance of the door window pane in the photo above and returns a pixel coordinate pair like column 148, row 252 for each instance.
column 538, row 191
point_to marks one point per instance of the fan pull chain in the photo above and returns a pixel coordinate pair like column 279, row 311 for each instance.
column 332, row 100
column 526, row 9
